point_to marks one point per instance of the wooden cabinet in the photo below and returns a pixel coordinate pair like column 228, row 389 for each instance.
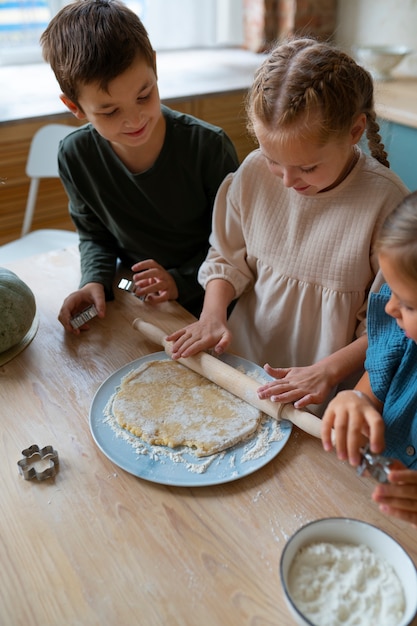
column 228, row 112
column 225, row 110
column 51, row 209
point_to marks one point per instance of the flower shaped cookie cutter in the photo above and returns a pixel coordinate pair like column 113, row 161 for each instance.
column 377, row 465
column 38, row 463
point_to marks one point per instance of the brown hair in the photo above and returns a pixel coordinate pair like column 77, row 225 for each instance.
column 303, row 77
column 94, row 41
column 398, row 236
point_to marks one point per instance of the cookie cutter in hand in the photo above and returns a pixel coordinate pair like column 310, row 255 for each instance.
column 34, row 462
column 85, row 316
column 129, row 285
column 377, row 465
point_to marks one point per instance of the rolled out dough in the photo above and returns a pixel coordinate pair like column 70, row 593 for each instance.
column 165, row 403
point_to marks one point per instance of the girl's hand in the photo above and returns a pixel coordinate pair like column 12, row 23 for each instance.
column 354, row 419
column 207, row 333
column 154, row 282
column 301, row 385
column 92, row 293
column 398, row 497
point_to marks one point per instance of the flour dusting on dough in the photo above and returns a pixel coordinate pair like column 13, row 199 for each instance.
column 268, row 432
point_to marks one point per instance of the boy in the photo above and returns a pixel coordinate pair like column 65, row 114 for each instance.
column 141, row 178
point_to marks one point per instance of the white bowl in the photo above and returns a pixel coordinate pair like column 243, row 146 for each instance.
column 381, row 60
column 344, row 530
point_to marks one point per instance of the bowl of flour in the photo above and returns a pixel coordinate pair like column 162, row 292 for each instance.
column 345, row 572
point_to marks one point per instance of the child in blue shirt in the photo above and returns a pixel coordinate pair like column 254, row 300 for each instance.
column 383, row 406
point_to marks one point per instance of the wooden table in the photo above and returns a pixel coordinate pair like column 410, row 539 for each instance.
column 97, row 545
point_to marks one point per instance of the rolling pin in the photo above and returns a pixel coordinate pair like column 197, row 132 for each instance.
column 234, row 381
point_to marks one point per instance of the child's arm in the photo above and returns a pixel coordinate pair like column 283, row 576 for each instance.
column 312, row 384
column 398, row 497
column 355, row 417
column 211, row 330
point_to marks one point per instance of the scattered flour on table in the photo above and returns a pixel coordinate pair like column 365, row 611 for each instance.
column 338, row 584
column 258, row 445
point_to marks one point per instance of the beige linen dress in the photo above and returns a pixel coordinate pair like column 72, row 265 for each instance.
column 302, row 266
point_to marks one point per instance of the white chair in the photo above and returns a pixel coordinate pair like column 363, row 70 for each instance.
column 42, row 162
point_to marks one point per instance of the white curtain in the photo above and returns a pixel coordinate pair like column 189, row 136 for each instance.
column 178, row 24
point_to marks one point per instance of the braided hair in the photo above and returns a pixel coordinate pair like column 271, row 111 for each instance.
column 304, row 80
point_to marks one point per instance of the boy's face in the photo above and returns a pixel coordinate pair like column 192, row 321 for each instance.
column 128, row 112
column 402, row 305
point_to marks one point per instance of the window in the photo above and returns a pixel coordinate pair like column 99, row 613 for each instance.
column 171, row 24
column 21, row 24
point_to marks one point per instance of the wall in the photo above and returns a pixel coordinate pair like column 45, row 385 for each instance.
column 379, row 22
column 266, row 21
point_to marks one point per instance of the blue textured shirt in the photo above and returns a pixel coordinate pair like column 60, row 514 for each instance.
column 391, row 362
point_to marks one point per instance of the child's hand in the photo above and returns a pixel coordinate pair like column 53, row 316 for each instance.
column 154, row 282
column 398, row 497
column 92, row 293
column 301, row 385
column 202, row 335
column 354, row 419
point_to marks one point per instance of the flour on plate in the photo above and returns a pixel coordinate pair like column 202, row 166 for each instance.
column 267, row 432
column 168, row 404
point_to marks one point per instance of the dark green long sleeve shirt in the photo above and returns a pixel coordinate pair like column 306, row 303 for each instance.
column 162, row 214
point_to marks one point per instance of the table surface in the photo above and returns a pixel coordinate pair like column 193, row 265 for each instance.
column 97, row 545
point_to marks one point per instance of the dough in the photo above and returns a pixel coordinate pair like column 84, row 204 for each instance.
column 165, row 403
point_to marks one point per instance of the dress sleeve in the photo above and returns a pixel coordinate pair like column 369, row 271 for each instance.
column 226, row 258
column 220, row 159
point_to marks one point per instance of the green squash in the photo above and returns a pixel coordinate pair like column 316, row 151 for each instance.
column 17, row 309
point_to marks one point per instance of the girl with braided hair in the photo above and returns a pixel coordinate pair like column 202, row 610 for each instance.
column 294, row 228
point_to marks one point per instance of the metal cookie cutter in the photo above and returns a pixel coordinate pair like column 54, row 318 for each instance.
column 377, row 465
column 129, row 285
column 84, row 316
column 40, row 464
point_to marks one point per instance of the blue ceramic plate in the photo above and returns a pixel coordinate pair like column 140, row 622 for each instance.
column 180, row 467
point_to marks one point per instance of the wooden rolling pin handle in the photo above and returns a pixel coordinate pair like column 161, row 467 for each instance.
column 234, row 381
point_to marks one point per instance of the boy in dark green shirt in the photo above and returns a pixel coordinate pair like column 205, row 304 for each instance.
column 141, row 178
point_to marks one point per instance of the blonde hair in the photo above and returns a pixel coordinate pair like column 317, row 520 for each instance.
column 304, row 80
column 94, row 41
column 398, row 236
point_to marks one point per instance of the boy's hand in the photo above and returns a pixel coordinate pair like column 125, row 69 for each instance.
column 354, row 420
column 92, row 293
column 153, row 282
column 398, row 497
column 202, row 335
column 301, row 385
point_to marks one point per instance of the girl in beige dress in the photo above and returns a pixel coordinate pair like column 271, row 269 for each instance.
column 294, row 228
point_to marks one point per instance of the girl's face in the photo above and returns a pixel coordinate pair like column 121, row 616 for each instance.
column 402, row 305
column 126, row 114
column 307, row 167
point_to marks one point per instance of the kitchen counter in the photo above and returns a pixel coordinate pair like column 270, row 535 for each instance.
column 31, row 91
column 396, row 100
